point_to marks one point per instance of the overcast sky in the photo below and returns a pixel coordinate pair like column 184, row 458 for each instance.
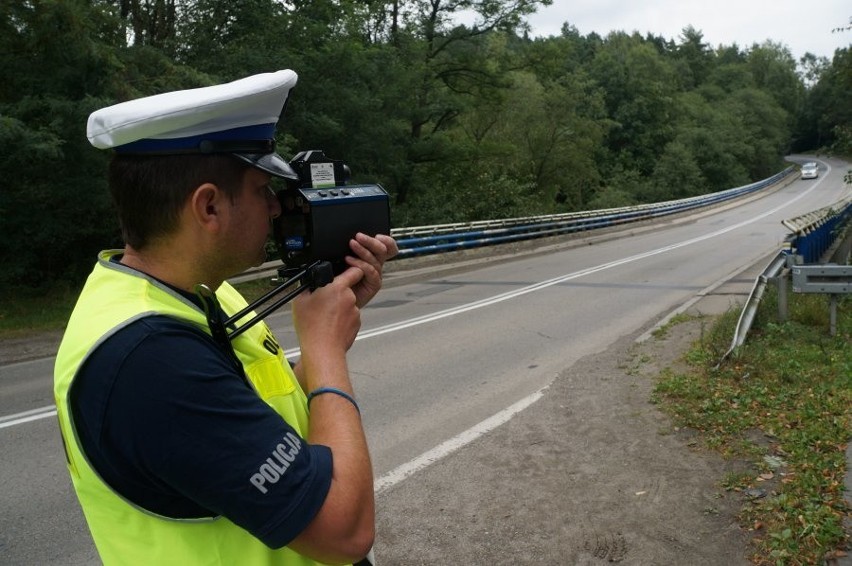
column 801, row 25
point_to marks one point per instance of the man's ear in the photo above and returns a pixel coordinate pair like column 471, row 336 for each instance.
column 206, row 206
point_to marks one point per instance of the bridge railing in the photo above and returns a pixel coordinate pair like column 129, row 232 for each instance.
column 814, row 233
column 421, row 240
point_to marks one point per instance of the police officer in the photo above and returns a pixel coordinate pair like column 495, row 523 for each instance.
column 182, row 451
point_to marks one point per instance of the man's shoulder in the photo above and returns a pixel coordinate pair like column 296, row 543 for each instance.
column 153, row 329
column 141, row 367
column 151, row 344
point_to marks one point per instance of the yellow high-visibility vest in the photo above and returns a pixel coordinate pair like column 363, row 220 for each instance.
column 124, row 533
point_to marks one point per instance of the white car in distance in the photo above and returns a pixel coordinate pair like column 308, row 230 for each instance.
column 810, row 170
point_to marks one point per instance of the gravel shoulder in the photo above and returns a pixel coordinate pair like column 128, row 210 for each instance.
column 592, row 473
column 29, row 347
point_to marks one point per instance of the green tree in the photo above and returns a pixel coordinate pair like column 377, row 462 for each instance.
column 773, row 69
column 639, row 86
column 149, row 22
column 811, row 68
column 826, row 121
column 764, row 129
column 712, row 134
column 448, row 65
column 696, row 56
column 53, row 201
column 610, row 197
column 555, row 129
column 67, row 59
column 624, row 187
column 231, row 40
column 677, row 174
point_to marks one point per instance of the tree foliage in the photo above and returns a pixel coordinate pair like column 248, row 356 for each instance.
column 826, row 118
column 449, row 104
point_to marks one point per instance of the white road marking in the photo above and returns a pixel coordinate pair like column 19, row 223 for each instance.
column 28, row 416
column 398, row 474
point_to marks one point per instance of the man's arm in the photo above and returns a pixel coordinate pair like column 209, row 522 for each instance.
column 371, row 253
column 327, row 321
column 168, row 424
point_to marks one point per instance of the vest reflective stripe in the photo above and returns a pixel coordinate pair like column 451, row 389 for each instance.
column 112, row 297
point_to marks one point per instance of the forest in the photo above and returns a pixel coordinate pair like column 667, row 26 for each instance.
column 457, row 121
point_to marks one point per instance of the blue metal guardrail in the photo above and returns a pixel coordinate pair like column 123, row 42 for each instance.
column 813, row 233
column 422, row 240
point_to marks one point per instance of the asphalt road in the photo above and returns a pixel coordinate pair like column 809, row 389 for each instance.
column 440, row 351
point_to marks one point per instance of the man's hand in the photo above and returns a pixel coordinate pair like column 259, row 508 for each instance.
column 372, row 253
column 327, row 319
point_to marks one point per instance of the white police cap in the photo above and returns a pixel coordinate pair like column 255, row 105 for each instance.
column 237, row 118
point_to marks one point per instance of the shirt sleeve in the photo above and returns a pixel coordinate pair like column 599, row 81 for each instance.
column 179, row 433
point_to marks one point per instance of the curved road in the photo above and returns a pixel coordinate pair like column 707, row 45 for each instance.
column 440, row 354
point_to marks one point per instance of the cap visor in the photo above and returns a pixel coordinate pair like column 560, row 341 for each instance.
column 272, row 163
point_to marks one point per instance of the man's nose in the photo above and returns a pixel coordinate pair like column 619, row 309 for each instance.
column 274, row 204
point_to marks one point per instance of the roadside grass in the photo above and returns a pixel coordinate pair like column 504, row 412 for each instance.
column 792, row 383
column 27, row 312
column 252, row 290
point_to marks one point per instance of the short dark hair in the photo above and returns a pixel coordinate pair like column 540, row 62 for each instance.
column 150, row 191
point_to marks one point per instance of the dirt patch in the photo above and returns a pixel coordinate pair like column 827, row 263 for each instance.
column 592, row 473
column 29, row 346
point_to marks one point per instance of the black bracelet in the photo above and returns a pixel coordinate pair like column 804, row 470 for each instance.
column 344, row 394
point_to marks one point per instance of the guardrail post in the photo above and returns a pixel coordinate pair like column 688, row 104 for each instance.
column 832, row 314
column 781, row 282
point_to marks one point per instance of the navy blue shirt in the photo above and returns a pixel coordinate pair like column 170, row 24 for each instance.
column 168, row 423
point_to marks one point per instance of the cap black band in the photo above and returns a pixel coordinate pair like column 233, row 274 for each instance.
column 206, row 147
column 237, row 146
